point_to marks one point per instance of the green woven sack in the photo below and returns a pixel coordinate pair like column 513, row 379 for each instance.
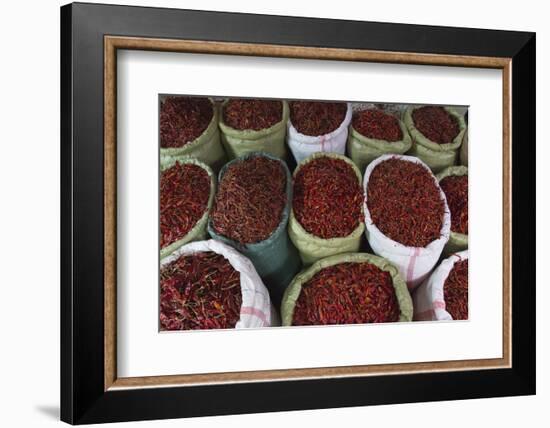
column 436, row 156
column 464, row 151
column 275, row 259
column 198, row 232
column 294, row 289
column 457, row 241
column 206, row 148
column 313, row 248
column 270, row 140
column 363, row 150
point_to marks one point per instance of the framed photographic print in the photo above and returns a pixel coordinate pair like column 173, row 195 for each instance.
column 266, row 213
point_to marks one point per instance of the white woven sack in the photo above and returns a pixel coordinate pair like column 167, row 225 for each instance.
column 414, row 263
column 303, row 146
column 429, row 303
column 256, row 304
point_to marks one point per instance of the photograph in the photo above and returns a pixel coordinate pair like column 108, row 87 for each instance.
column 279, row 212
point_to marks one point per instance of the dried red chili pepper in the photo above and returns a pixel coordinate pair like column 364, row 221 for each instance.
column 347, row 293
column 183, row 119
column 250, row 200
column 327, row 198
column 184, row 193
column 436, row 124
column 405, row 202
column 316, row 117
column 455, row 291
column 199, row 291
column 245, row 114
column 374, row 123
column 455, row 188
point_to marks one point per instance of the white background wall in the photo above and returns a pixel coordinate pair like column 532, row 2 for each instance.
column 29, row 219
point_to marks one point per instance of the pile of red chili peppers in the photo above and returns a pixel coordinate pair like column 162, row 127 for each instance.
column 316, row 118
column 347, row 293
column 455, row 188
column 184, row 193
column 455, row 291
column 374, row 123
column 199, row 291
column 183, row 119
column 250, row 200
column 405, row 202
column 327, row 198
column 255, row 115
column 436, row 124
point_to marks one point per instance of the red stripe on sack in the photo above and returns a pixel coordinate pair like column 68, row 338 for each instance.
column 249, row 310
column 439, row 304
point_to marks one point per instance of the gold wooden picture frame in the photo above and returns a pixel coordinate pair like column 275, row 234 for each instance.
column 114, row 43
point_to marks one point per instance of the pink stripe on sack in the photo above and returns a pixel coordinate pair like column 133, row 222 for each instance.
column 322, row 143
column 410, row 268
column 249, row 310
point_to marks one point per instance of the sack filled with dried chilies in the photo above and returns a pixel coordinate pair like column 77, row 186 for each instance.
column 396, row 110
column 327, row 207
column 351, row 288
column 187, row 188
column 444, row 295
column 251, row 212
column 317, row 126
column 437, row 133
column 454, row 183
column 254, row 125
column 209, row 285
column 189, row 127
column 406, row 215
column 374, row 132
